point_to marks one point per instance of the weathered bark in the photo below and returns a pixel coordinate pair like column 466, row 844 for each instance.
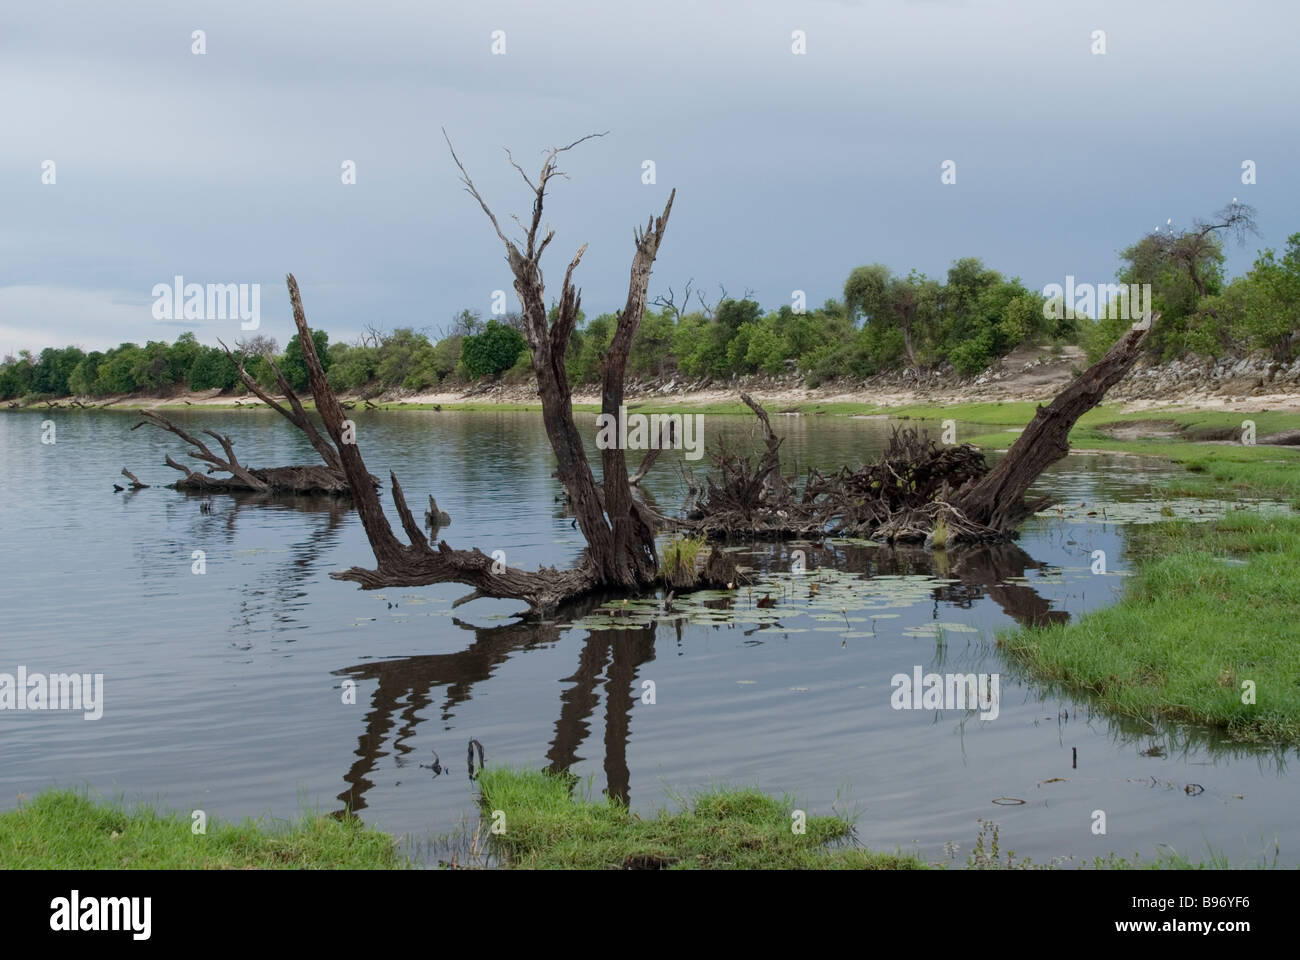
column 295, row 479
column 435, row 518
column 242, row 477
column 417, row 563
column 618, row 529
column 916, row 491
column 295, row 415
column 997, row 499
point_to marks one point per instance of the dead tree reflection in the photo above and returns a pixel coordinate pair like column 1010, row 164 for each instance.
column 610, row 661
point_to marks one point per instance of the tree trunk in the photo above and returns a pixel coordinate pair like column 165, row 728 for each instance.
column 997, row 499
column 619, row 530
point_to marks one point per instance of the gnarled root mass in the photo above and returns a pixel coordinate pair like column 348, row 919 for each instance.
column 915, row 491
column 897, row 498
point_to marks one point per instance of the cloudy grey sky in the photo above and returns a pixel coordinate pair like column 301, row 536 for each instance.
column 790, row 170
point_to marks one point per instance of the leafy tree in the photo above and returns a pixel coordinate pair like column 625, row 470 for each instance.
column 1184, row 267
column 586, row 347
column 212, row 369
column 52, row 368
column 492, row 351
column 151, row 370
column 82, row 379
column 182, row 356
column 115, row 371
column 401, row 353
column 294, row 366
column 651, row 353
column 16, row 376
column 908, row 304
column 767, row 347
column 1271, row 311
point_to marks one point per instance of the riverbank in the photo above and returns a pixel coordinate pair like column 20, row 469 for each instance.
column 547, row 821
column 67, row 830
column 1027, row 375
column 1206, row 632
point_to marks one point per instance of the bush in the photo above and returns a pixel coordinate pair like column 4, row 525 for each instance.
column 974, row 355
column 351, row 368
column 294, row 367
column 495, row 349
column 212, row 368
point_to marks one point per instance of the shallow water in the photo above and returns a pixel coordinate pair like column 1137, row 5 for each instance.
column 224, row 691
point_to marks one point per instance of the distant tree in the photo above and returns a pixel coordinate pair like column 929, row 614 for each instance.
column 16, row 376
column 294, row 367
column 82, row 379
column 115, row 374
column 151, row 370
column 464, row 324
column 651, row 353
column 1183, row 267
column 1272, row 301
column 182, row 355
column 908, row 304
column 492, row 351
column 213, row 369
column 53, row 367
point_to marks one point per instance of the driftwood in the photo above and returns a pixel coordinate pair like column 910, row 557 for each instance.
column 295, row 414
column 915, row 491
column 997, row 500
column 242, row 479
column 435, row 517
column 328, row 479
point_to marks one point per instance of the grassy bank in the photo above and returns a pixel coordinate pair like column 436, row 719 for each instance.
column 547, row 826
column 1212, row 605
column 63, row 829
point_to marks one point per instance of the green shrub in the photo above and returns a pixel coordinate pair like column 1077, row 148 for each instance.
column 495, row 349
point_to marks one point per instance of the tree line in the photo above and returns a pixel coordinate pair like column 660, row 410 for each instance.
column 883, row 322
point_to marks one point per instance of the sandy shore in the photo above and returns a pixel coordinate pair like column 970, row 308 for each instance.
column 1029, row 374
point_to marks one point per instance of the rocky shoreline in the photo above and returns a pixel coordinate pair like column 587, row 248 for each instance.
column 1253, row 382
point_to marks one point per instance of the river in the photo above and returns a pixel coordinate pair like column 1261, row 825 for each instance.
column 226, row 691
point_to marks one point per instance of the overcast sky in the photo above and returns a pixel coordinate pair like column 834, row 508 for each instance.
column 790, row 169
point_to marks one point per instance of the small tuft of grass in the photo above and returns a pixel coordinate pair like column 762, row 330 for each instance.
column 939, row 539
column 678, row 556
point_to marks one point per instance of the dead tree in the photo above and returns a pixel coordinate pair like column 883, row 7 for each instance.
column 619, row 529
column 242, row 479
column 295, row 414
column 915, row 491
column 997, row 500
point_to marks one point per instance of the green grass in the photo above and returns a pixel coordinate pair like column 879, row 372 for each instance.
column 546, row 826
column 679, row 554
column 65, row 829
column 1212, row 605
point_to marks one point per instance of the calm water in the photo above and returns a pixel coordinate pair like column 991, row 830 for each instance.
column 224, row 691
